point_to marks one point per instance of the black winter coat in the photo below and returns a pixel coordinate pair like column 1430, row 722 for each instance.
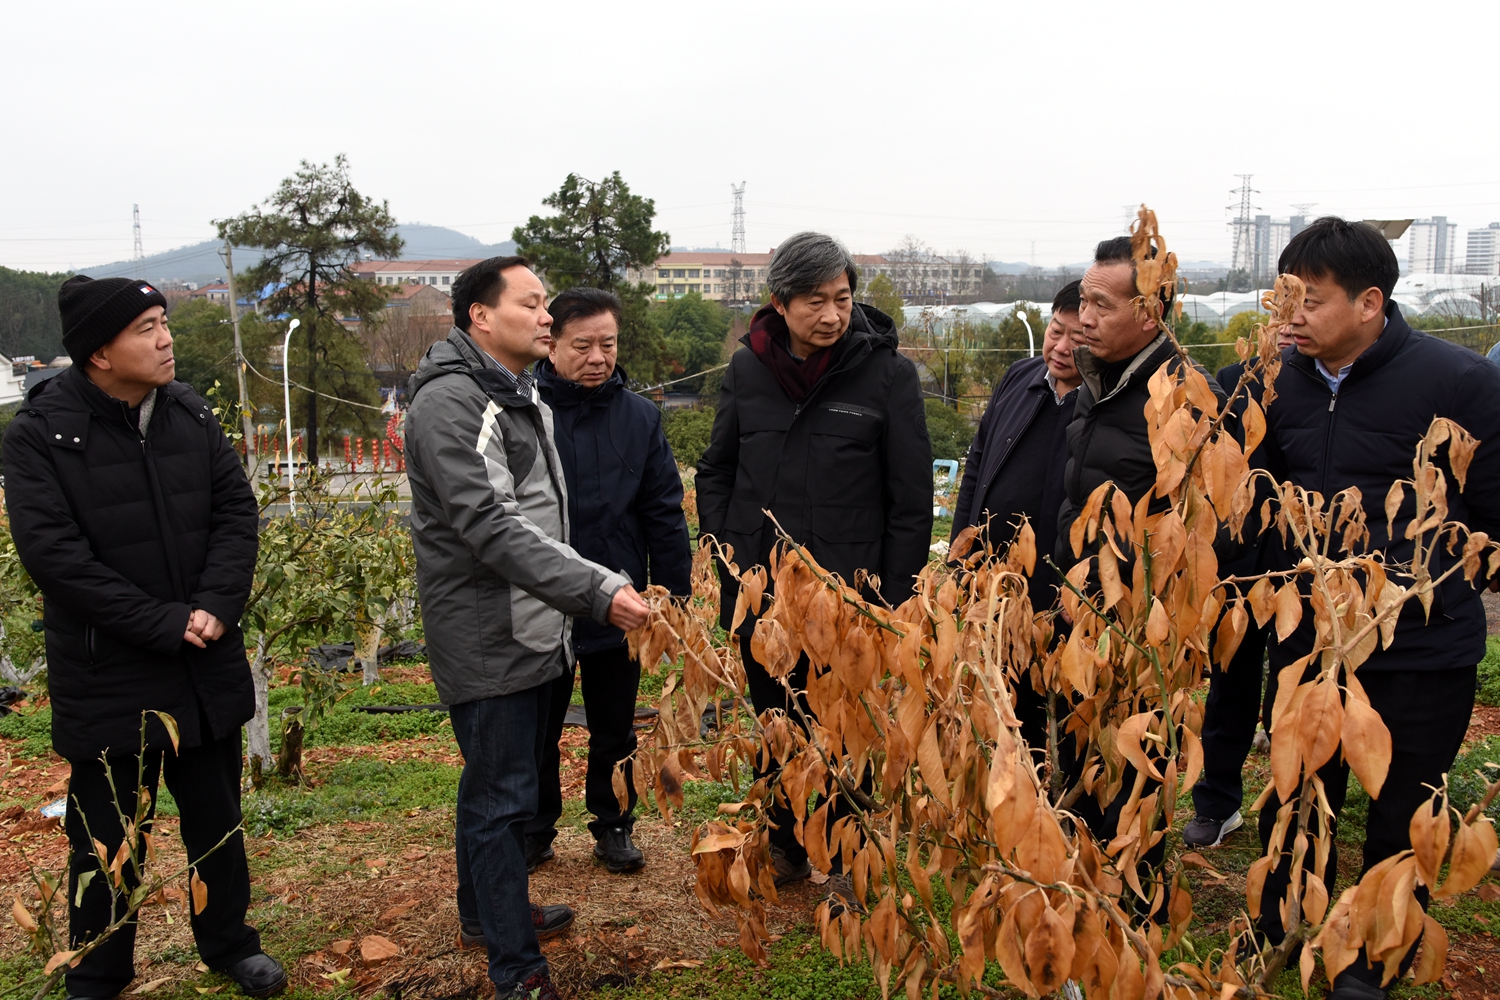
column 848, row 472
column 126, row 537
column 624, row 491
column 1366, row 437
column 1108, row 439
column 1022, row 395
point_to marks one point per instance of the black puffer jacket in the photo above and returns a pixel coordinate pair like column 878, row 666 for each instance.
column 1108, row 440
column 624, row 492
column 126, row 537
column 1366, row 437
column 847, row 472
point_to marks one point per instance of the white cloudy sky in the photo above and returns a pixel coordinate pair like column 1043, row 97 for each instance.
column 1013, row 131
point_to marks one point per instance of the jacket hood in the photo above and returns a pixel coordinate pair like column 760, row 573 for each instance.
column 459, row 356
column 564, row 392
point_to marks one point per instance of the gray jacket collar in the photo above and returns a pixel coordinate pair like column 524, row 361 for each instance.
column 1089, row 367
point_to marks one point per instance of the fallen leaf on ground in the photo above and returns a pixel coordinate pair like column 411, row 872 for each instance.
column 200, row 967
column 634, row 929
column 377, row 862
column 339, row 976
column 415, row 854
column 676, row 963
column 397, row 912
column 208, row 989
column 148, row 987
column 341, row 947
column 374, row 949
column 58, row 787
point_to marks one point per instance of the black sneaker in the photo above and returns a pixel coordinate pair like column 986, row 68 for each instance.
column 1205, row 832
column 538, row 986
column 617, row 852
column 258, row 976
column 538, row 852
column 787, row 870
column 470, row 936
column 550, row 921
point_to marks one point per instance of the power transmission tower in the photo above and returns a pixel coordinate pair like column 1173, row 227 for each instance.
column 1244, row 228
column 737, row 234
column 138, row 251
column 1305, row 208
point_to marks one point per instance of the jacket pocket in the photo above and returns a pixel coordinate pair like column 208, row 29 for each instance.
column 847, row 524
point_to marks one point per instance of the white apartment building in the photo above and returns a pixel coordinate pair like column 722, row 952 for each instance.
column 412, row 272
column 727, row 277
column 1432, row 246
column 1483, row 256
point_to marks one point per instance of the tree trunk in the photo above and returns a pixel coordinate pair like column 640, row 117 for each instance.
column 258, row 735
column 289, row 760
column 367, row 648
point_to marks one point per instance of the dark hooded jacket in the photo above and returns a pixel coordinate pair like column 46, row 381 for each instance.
column 624, row 492
column 1366, row 437
column 126, row 534
column 847, row 471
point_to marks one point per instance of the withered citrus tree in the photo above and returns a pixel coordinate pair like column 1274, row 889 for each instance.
column 920, row 698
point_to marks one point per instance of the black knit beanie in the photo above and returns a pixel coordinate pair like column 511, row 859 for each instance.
column 94, row 312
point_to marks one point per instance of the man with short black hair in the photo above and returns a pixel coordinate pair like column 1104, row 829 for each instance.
column 1014, row 470
column 130, row 510
column 625, row 511
column 1353, row 399
column 821, row 422
column 497, row 581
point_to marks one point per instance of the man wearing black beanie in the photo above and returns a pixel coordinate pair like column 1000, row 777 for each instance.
column 130, row 510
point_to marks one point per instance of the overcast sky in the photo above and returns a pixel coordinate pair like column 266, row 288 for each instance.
column 1013, row 131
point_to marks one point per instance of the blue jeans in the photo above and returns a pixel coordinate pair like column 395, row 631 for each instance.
column 501, row 739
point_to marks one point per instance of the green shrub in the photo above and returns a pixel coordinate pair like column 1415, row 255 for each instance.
column 1489, row 673
column 1465, row 787
column 687, row 432
column 33, row 728
column 949, row 430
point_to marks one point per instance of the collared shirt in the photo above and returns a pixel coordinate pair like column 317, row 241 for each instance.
column 1057, row 397
column 1334, row 381
column 524, row 383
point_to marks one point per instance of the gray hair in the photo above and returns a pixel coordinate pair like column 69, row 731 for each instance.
column 804, row 261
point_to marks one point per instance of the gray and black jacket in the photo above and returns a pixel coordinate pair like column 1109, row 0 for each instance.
column 489, row 517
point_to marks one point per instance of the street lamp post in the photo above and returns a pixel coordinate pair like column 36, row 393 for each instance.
column 286, row 400
column 1030, row 337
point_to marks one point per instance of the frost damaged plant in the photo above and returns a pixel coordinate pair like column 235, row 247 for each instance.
column 910, row 719
column 131, row 874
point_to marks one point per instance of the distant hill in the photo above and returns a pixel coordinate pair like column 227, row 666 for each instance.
column 200, row 263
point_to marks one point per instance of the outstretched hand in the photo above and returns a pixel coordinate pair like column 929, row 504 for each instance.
column 202, row 628
column 627, row 609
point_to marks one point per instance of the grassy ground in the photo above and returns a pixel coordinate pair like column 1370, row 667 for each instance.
column 366, row 849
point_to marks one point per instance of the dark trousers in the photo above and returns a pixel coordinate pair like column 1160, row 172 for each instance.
column 1229, row 717
column 1427, row 712
column 501, row 740
column 610, row 680
column 766, row 692
column 205, row 781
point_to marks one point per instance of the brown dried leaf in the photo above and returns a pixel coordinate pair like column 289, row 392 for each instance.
column 1434, row 954
column 22, row 916
column 1319, row 724
column 1474, row 847
column 376, row 950
column 1049, row 952
column 1367, row 745
column 1429, row 840
column 200, row 892
column 1288, row 610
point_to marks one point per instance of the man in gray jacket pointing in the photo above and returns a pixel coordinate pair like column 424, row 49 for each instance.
column 498, row 584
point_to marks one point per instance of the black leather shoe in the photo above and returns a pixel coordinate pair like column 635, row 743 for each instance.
column 617, row 852
column 258, row 976
column 470, row 937
column 550, row 921
column 538, row 853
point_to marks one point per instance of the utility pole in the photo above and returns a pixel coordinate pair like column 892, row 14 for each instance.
column 239, row 355
column 737, row 234
column 1244, row 228
column 137, row 252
